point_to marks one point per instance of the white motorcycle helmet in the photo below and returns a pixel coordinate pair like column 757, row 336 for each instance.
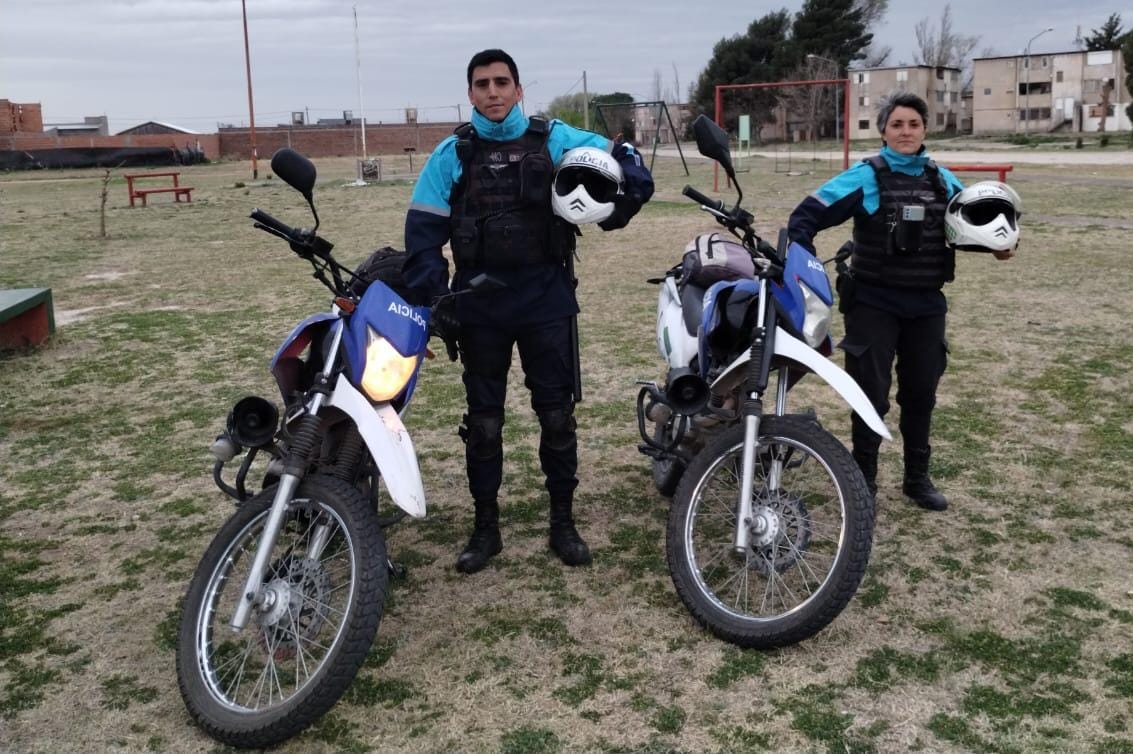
column 984, row 217
column 587, row 181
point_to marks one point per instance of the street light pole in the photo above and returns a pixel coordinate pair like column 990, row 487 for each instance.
column 1027, row 82
column 837, row 70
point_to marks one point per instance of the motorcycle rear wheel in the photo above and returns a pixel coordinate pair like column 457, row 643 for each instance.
column 294, row 659
column 810, row 540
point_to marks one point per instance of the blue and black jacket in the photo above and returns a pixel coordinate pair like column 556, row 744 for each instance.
column 536, row 293
column 855, row 194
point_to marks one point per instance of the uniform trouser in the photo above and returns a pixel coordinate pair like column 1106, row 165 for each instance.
column 874, row 338
column 547, row 357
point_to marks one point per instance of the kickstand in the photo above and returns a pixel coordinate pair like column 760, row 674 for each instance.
column 396, row 570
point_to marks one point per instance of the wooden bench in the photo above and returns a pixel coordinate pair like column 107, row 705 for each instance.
column 176, row 189
column 1002, row 170
column 27, row 317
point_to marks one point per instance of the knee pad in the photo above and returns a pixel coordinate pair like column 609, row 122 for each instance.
column 558, row 427
column 483, row 434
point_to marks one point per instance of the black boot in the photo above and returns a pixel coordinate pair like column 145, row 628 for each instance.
column 917, row 484
column 565, row 540
column 867, row 462
column 485, row 541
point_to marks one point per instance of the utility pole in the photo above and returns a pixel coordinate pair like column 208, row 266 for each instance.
column 251, row 110
column 585, row 104
column 358, row 70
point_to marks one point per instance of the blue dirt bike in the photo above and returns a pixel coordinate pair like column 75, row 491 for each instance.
column 286, row 601
column 770, row 524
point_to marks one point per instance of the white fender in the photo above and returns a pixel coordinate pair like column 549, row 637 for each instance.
column 790, row 347
column 389, row 443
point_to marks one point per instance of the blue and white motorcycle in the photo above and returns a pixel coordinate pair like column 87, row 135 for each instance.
column 770, row 524
column 286, row 601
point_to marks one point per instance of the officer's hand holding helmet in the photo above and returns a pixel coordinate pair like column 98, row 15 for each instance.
column 587, row 185
column 984, row 217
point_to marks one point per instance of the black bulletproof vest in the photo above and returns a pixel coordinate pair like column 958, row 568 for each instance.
column 876, row 260
column 501, row 207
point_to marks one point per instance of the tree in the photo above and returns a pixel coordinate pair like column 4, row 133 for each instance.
column 946, row 48
column 758, row 55
column 831, row 28
column 568, row 108
column 1127, row 54
column 1108, row 37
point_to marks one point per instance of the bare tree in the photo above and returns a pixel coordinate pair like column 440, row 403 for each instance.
column 875, row 57
column 658, row 95
column 943, row 48
column 811, row 105
column 871, row 10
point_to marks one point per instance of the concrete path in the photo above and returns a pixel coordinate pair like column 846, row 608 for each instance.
column 1115, row 155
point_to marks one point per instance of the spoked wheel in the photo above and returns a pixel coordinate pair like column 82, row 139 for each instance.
column 810, row 535
column 667, row 472
column 323, row 594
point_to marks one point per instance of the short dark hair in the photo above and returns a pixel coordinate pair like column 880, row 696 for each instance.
column 891, row 102
column 487, row 57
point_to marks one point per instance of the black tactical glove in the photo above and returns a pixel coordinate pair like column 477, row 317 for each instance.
column 625, row 207
column 443, row 323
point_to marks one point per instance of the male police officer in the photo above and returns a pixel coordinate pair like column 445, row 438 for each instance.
column 487, row 190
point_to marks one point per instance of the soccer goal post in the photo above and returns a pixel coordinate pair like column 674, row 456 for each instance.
column 787, row 102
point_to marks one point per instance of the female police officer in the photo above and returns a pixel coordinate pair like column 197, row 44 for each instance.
column 891, row 297
column 487, row 189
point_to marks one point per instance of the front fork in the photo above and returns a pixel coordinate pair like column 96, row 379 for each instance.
column 255, row 595
column 759, row 365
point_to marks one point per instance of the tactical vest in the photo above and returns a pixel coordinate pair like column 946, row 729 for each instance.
column 875, row 258
column 501, row 207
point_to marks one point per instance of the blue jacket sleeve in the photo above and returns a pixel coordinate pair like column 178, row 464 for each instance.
column 836, row 201
column 427, row 226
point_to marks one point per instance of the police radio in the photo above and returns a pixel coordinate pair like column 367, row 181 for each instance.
column 908, row 229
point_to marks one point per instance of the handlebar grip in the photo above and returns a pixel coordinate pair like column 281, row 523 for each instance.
column 696, row 196
column 263, row 218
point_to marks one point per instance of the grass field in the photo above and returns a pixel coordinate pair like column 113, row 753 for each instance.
column 1001, row 625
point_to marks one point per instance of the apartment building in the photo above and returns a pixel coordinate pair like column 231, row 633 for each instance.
column 1050, row 92
column 939, row 86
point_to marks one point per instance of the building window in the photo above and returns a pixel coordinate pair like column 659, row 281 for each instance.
column 1034, row 113
column 1045, row 62
column 987, row 91
column 940, row 119
column 863, row 125
column 1058, row 76
column 863, row 101
column 955, row 97
column 902, row 75
column 940, row 73
column 863, row 78
column 940, row 97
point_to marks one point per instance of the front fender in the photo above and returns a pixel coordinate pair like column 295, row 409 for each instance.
column 389, row 444
column 790, row 347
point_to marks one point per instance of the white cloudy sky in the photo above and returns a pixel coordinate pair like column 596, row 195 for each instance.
column 182, row 61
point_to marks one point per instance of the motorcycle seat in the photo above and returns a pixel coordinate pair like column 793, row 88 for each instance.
column 692, row 307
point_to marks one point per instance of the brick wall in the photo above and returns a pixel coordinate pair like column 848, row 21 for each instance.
column 208, row 143
column 20, row 117
column 332, row 141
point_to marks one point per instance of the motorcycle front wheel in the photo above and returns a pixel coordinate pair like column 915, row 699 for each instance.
column 810, row 535
column 325, row 588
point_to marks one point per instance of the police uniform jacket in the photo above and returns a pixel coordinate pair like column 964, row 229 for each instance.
column 535, row 293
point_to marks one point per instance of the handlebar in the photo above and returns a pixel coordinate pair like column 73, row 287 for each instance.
column 699, row 198
column 266, row 220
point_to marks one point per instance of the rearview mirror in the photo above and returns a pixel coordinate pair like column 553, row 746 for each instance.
column 712, row 142
column 295, row 169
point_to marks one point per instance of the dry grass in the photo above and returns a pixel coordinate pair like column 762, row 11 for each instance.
column 1001, row 625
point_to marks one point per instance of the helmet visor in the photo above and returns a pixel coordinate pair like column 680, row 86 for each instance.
column 599, row 187
column 980, row 213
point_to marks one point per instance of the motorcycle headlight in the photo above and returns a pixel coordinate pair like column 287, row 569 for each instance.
column 817, row 316
column 386, row 372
